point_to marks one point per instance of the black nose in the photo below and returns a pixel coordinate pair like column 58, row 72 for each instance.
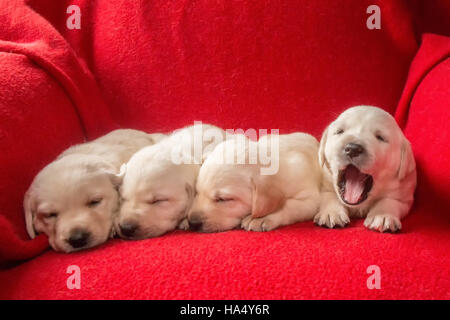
column 353, row 150
column 195, row 224
column 128, row 229
column 79, row 238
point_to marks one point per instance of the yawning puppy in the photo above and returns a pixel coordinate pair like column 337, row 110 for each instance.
column 368, row 170
column 159, row 182
column 74, row 198
column 233, row 194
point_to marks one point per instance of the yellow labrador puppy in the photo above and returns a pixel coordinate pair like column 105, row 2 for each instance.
column 159, row 182
column 74, row 198
column 368, row 170
column 238, row 194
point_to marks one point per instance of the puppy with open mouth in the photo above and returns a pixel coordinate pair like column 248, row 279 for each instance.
column 368, row 171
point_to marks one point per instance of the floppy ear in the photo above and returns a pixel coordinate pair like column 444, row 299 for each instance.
column 110, row 170
column 265, row 198
column 323, row 141
column 117, row 178
column 407, row 162
column 29, row 214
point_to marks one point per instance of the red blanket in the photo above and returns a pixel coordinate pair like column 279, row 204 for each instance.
column 159, row 65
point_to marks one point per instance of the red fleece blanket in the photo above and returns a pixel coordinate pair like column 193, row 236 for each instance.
column 159, row 65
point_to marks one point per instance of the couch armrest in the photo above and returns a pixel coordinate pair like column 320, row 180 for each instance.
column 48, row 101
column 37, row 121
column 424, row 115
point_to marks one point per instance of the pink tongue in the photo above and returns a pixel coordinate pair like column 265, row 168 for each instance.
column 354, row 184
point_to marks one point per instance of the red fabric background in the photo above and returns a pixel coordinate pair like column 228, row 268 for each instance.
column 159, row 65
column 280, row 64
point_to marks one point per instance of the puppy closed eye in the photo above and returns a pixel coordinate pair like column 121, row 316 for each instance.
column 222, row 199
column 157, row 201
column 380, row 138
column 50, row 215
column 94, row 202
column 339, row 131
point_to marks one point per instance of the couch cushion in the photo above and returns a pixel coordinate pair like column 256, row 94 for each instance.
column 288, row 65
column 301, row 261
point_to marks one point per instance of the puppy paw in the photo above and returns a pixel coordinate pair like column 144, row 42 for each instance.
column 259, row 224
column 184, row 224
column 331, row 219
column 245, row 222
column 383, row 223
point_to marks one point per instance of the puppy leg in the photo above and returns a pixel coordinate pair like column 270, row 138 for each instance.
column 385, row 215
column 332, row 213
column 294, row 210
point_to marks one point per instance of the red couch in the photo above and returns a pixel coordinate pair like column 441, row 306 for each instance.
column 289, row 65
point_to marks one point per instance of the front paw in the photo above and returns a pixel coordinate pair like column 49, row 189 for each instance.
column 184, row 224
column 332, row 218
column 259, row 224
column 383, row 223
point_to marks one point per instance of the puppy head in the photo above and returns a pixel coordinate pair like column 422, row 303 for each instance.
column 155, row 195
column 226, row 193
column 73, row 201
column 223, row 199
column 364, row 149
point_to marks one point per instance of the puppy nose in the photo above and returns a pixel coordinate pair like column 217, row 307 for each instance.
column 78, row 238
column 353, row 150
column 128, row 229
column 195, row 224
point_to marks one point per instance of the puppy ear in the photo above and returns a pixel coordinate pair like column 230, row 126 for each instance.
column 323, row 141
column 118, row 177
column 407, row 162
column 107, row 168
column 265, row 198
column 28, row 204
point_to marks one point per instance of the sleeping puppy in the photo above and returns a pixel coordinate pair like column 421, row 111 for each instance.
column 159, row 182
column 74, row 198
column 231, row 195
column 368, row 170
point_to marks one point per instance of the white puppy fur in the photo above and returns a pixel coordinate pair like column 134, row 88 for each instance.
column 237, row 195
column 159, row 182
column 74, row 199
column 368, row 170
